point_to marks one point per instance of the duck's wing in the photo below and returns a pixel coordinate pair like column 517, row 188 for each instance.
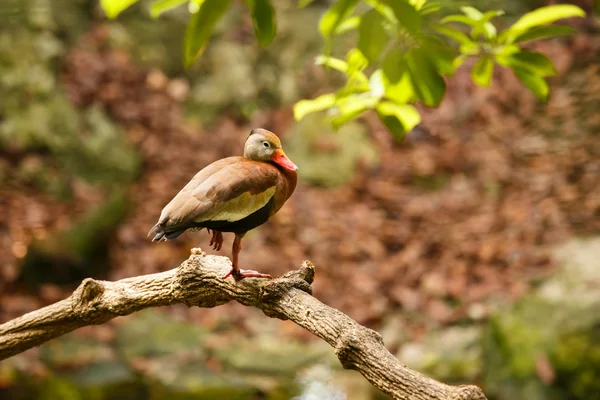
column 231, row 193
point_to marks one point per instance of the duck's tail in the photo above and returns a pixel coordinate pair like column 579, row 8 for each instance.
column 160, row 235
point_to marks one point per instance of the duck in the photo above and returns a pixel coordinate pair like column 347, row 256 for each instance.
column 232, row 195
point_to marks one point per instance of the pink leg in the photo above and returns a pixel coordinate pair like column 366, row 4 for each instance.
column 236, row 272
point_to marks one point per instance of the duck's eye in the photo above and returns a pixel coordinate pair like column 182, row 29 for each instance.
column 266, row 144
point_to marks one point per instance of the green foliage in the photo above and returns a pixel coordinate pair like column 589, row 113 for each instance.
column 112, row 8
column 263, row 18
column 200, row 27
column 162, row 6
column 404, row 52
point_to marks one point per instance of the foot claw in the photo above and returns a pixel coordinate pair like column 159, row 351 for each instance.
column 216, row 241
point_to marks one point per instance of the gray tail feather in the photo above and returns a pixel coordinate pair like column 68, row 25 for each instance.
column 161, row 236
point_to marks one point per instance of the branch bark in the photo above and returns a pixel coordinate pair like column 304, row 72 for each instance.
column 197, row 282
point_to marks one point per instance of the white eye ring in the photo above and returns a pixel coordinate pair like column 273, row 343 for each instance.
column 266, row 144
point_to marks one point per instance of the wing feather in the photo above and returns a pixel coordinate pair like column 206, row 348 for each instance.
column 230, row 193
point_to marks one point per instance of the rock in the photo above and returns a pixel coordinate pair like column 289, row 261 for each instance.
column 452, row 355
column 268, row 356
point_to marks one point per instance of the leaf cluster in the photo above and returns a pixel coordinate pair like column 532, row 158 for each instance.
column 405, row 50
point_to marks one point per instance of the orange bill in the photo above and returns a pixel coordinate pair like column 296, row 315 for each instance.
column 281, row 159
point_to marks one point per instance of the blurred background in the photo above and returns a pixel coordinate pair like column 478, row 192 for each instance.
column 472, row 245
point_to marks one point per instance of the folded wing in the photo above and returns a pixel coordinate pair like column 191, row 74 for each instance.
column 230, row 193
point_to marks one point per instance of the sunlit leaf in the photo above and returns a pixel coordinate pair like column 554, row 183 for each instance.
column 483, row 70
column 463, row 19
column 402, row 91
column 472, row 12
column 469, row 49
column 398, row 118
column 542, row 32
column 455, row 34
column 372, row 36
column 335, row 15
column 407, row 15
column 546, row 15
column 356, row 61
column 427, row 81
column 430, row 8
column 162, row 6
column 533, row 62
column 113, row 8
column 486, row 29
column 377, row 84
column 506, row 50
column 535, row 83
column 304, row 107
column 263, row 19
column 458, row 61
column 200, row 28
column 417, row 4
column 332, row 62
column 351, row 107
column 348, row 25
column 489, row 15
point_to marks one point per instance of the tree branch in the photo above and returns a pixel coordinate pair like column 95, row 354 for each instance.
column 198, row 282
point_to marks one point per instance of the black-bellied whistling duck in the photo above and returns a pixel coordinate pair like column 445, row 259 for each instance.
column 234, row 194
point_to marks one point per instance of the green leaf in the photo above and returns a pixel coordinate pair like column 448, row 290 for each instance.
column 440, row 53
column 486, row 29
column 393, row 64
column 398, row 118
column 350, row 107
column 483, row 70
column 463, row 19
column 455, row 34
column 428, row 83
column 533, row 62
column 372, row 36
column 335, row 15
column 353, row 72
column 546, row 15
column 200, row 27
column 356, row 62
column 162, row 6
column 331, row 62
column 430, row 8
column 458, row 61
column 417, row 4
column 542, row 32
column 402, row 91
column 377, row 84
column 489, row 15
column 263, row 19
column 113, row 8
column 407, row 15
column 348, row 25
column 304, row 3
column 533, row 82
column 472, row 13
column 469, row 49
column 304, row 107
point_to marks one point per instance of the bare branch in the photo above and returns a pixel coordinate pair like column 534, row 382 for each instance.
column 198, row 282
